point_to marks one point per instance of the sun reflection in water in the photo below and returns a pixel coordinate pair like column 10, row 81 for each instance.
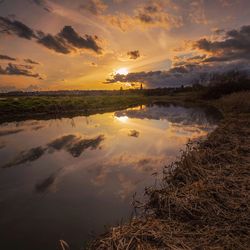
column 122, row 119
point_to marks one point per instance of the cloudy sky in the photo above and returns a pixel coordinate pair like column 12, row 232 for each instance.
column 103, row 44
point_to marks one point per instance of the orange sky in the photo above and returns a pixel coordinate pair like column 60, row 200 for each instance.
column 140, row 36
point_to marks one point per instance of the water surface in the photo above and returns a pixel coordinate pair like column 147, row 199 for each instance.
column 67, row 178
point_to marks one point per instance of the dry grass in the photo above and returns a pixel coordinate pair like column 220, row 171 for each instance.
column 235, row 103
column 203, row 201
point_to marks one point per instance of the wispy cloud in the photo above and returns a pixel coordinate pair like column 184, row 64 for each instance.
column 94, row 6
column 31, row 61
column 44, row 4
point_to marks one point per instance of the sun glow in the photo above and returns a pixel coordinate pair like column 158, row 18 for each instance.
column 121, row 71
column 122, row 119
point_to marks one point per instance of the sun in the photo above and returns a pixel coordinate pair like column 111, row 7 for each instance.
column 121, row 71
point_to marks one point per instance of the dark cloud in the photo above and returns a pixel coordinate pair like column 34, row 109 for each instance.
column 187, row 74
column 14, row 69
column 134, row 54
column 31, row 61
column 95, row 7
column 54, row 43
column 234, row 46
column 16, row 28
column 4, row 57
column 65, row 42
column 152, row 79
column 87, row 42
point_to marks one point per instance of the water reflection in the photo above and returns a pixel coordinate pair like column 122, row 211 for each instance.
column 2, row 145
column 172, row 113
column 10, row 132
column 26, row 156
column 73, row 144
column 134, row 133
column 83, row 171
column 44, row 185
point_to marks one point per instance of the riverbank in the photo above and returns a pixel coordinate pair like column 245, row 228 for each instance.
column 17, row 108
column 203, row 199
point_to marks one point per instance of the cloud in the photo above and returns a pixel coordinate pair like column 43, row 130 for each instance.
column 16, row 28
column 95, row 7
column 151, row 79
column 234, row 46
column 65, row 42
column 31, row 61
column 134, row 133
column 150, row 15
column 4, row 57
column 178, row 116
column 26, row 156
column 207, row 58
column 187, row 74
column 71, row 143
column 197, row 12
column 7, row 88
column 44, row 4
column 134, row 54
column 155, row 14
column 87, row 42
column 10, row 132
column 54, row 43
column 121, row 21
column 68, row 41
column 74, row 144
column 23, row 70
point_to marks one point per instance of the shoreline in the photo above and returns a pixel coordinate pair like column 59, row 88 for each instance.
column 21, row 108
column 203, row 201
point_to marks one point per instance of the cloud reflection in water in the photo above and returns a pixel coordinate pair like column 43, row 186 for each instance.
column 73, row 144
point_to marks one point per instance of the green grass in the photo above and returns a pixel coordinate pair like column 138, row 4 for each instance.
column 59, row 104
column 27, row 105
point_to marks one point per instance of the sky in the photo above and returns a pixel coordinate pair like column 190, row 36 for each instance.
column 106, row 44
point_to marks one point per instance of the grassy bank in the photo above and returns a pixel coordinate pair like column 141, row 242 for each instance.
column 23, row 107
column 203, row 200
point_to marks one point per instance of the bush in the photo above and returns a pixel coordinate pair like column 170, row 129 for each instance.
column 218, row 90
